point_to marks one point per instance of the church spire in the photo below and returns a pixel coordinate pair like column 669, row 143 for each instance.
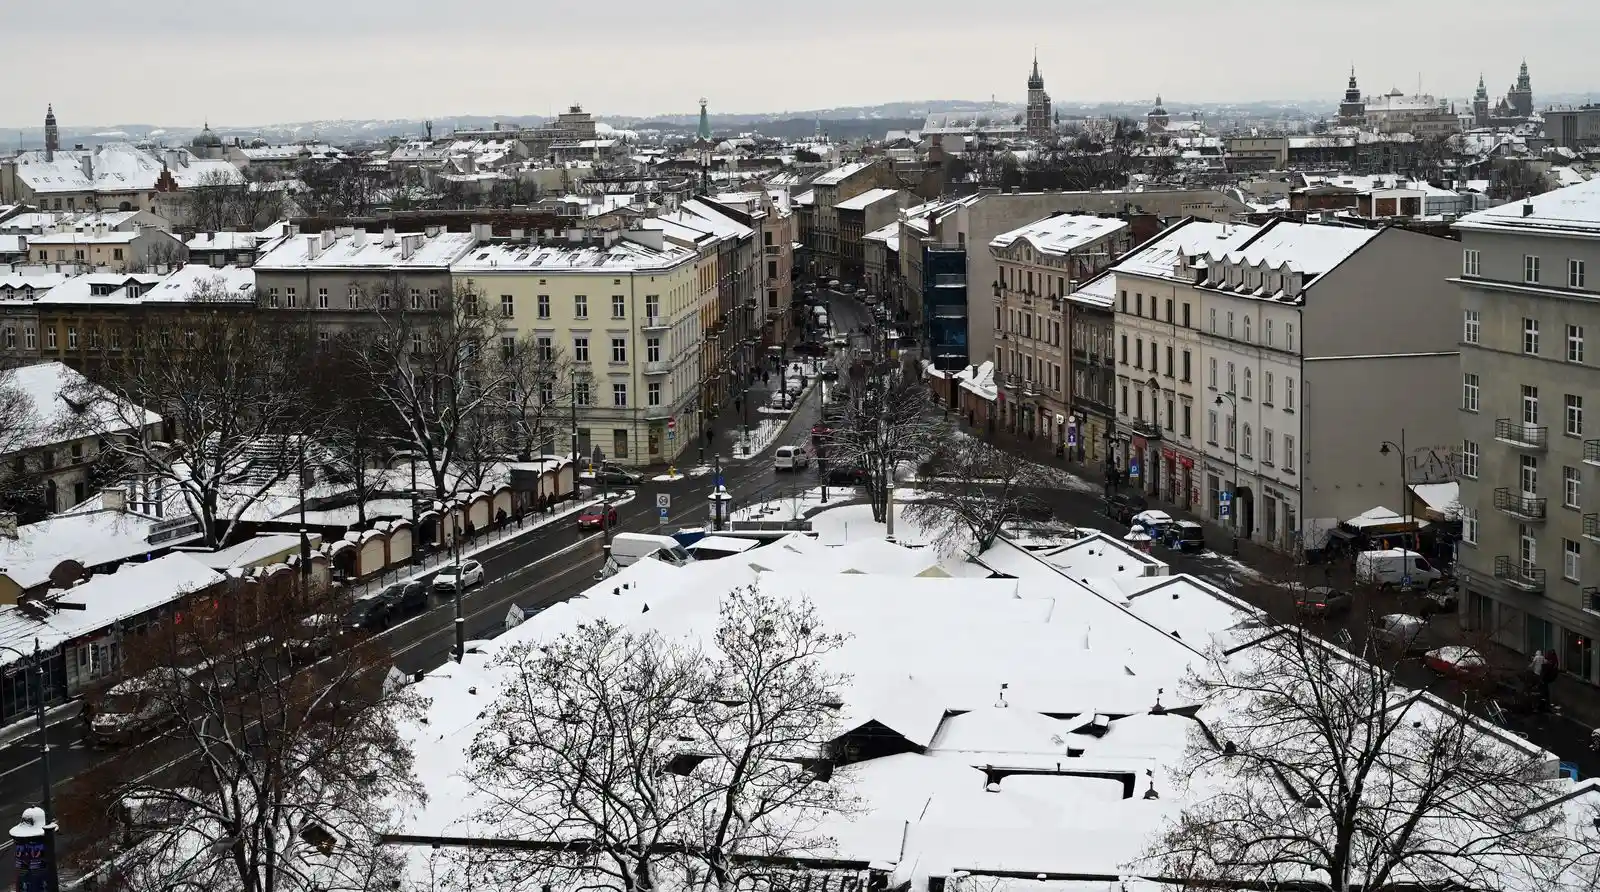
column 703, row 132
column 52, row 135
column 1036, row 80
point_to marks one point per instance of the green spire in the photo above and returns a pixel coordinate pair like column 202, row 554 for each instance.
column 704, row 132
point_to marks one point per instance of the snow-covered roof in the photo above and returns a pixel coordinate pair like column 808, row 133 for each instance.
column 1099, row 292
column 233, row 283
column 979, row 380
column 865, row 200
column 889, row 235
column 1574, row 210
column 1060, row 234
column 839, row 174
column 92, row 539
column 1444, row 498
column 132, row 590
column 121, row 288
column 1308, row 248
column 1157, row 257
column 362, row 250
column 52, row 416
column 119, row 167
column 256, row 551
column 223, row 241
column 621, row 256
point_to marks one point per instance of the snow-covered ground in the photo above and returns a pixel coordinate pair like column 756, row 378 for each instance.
column 1045, row 475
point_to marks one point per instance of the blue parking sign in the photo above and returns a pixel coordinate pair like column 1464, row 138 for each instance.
column 1133, row 468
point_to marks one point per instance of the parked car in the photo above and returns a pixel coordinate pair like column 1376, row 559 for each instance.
column 1401, row 630
column 1322, row 601
column 810, row 348
column 1396, row 568
column 1442, row 600
column 846, row 476
column 469, row 572
column 1122, row 506
column 830, row 371
column 1154, row 522
column 597, row 517
column 372, row 613
column 833, row 284
column 791, row 458
column 138, row 706
column 314, row 636
column 405, row 597
column 1456, row 661
column 1186, row 536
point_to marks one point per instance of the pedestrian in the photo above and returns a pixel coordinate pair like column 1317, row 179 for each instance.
column 766, row 378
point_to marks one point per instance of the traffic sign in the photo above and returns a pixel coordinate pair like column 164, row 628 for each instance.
column 1222, row 510
column 672, row 423
column 663, row 501
column 1225, row 497
column 1405, row 581
column 663, row 515
column 1133, row 468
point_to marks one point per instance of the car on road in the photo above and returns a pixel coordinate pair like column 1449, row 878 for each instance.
column 1456, row 661
column 406, row 597
column 613, row 475
column 810, row 348
column 791, row 458
column 821, row 430
column 597, row 517
column 469, row 572
column 1400, row 630
column 1122, row 506
column 830, row 371
column 138, row 706
column 313, row 637
column 833, row 284
column 372, row 613
column 846, row 476
column 1186, row 536
column 1322, row 601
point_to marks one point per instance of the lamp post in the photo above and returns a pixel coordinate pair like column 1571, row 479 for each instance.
column 41, row 827
column 1233, row 497
column 1405, row 503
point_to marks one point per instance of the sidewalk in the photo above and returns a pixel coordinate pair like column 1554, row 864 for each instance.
column 1572, row 698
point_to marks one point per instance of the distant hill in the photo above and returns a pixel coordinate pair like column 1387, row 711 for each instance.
column 793, row 129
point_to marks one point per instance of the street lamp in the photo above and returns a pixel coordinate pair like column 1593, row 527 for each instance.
column 1405, row 503
column 1233, row 541
column 42, row 825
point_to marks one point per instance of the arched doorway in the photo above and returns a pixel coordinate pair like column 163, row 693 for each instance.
column 1245, row 504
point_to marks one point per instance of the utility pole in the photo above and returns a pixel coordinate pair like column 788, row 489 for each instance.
column 461, row 621
column 35, row 835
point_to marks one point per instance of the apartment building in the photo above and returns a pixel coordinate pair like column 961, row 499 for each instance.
column 1092, row 335
column 828, row 191
column 858, row 216
column 1246, row 392
column 625, row 310
column 772, row 221
column 1530, row 549
column 1038, row 266
column 345, row 277
column 102, row 247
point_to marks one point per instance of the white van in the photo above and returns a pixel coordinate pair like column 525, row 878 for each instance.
column 627, row 548
column 1396, row 567
column 790, row 458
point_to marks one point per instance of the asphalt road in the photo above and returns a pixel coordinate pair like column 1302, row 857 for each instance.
column 541, row 567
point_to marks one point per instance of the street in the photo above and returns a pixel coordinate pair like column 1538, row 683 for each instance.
column 541, row 567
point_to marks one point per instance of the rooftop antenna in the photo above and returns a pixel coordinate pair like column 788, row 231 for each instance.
column 1001, row 702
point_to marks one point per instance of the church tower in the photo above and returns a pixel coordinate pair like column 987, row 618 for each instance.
column 1353, row 110
column 702, row 141
column 1038, row 103
column 1156, row 119
column 52, row 136
column 1520, row 95
column 1480, row 105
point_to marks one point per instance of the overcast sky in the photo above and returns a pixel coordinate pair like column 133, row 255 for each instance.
column 248, row 62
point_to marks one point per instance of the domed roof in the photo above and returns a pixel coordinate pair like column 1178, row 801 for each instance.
column 1158, row 110
column 207, row 140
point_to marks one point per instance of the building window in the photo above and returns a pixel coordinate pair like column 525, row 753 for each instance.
column 1244, row 445
column 1288, row 334
column 652, row 350
column 1233, row 380
column 1233, row 433
column 619, row 350
column 1529, row 475
column 1211, row 426
column 653, row 393
column 416, row 299
column 547, row 348
column 50, row 337
column 1124, row 359
column 11, row 338
column 1571, row 557
column 1169, row 360
column 1469, row 391
column 1230, row 324
column 1530, row 336
column 1266, row 332
column 619, row 395
column 1138, row 353
column 619, row 306
column 72, row 338
column 1248, row 387
column 1469, row 262
column 1247, row 329
column 1186, row 315
column 580, row 348
column 1571, row 487
column 272, row 298
column 1211, row 373
column 1574, row 343
column 433, row 299
column 1575, row 274
column 1469, row 326
column 1124, row 399
column 1574, row 417
column 1266, row 388
column 1187, row 361
column 322, row 298
column 1288, row 394
column 1530, row 404
column 1288, row 453
column 1266, row 445
column 580, row 393
column 30, row 338
column 290, row 299
column 1469, row 526
column 1212, row 319
column 580, row 306
column 383, row 300
column 1138, row 300
column 1469, row 459
column 1530, row 269
column 1188, row 411
column 652, row 305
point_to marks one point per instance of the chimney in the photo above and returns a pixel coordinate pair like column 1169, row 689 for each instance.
column 1527, row 206
column 328, row 237
column 408, row 245
column 358, row 238
column 313, row 248
column 518, row 234
column 430, row 231
column 388, row 237
column 114, row 499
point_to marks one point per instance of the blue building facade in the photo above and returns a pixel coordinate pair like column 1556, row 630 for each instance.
column 944, row 306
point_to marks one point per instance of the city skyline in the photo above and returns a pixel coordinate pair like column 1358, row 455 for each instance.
column 188, row 68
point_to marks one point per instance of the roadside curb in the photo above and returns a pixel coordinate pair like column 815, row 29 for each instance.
column 30, row 726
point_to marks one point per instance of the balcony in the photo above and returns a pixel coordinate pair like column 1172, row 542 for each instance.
column 1591, row 527
column 1512, row 572
column 659, row 367
column 655, row 323
column 653, row 413
column 1591, row 451
column 1522, row 507
column 1591, row 599
column 1030, row 388
column 1150, row 430
column 771, row 250
column 1520, row 435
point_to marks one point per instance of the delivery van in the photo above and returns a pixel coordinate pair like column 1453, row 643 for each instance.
column 1396, row 568
column 627, row 548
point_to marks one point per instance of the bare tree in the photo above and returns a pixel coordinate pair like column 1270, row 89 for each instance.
column 230, row 385
column 357, row 438
column 538, row 390
column 220, row 202
column 638, row 755
column 970, row 490
column 293, row 763
column 885, row 426
column 436, row 372
column 1316, row 767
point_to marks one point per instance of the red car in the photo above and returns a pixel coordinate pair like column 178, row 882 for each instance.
column 820, row 430
column 594, row 516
